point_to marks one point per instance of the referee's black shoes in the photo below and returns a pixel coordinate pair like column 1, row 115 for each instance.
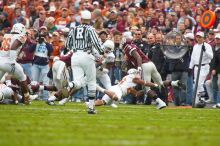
column 92, row 111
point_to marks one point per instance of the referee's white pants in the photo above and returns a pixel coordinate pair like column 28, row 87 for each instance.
column 83, row 64
column 203, row 74
column 149, row 71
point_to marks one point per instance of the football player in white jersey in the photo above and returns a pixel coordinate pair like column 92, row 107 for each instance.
column 126, row 86
column 7, row 93
column 60, row 73
column 108, row 60
column 9, row 50
column 11, row 92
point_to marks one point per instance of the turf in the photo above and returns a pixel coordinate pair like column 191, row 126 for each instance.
column 128, row 125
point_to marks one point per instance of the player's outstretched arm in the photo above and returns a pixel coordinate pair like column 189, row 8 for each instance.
column 143, row 83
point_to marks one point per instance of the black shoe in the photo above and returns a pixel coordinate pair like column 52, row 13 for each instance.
column 181, row 85
column 92, row 111
column 201, row 104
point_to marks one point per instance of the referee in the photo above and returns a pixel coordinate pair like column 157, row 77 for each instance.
column 82, row 39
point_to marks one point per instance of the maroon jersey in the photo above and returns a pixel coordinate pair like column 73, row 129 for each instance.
column 66, row 58
column 131, row 47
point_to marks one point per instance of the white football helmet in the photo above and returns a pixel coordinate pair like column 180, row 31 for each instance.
column 109, row 44
column 18, row 28
column 133, row 71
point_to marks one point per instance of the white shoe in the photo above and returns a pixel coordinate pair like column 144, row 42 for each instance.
column 160, row 104
column 114, row 105
column 218, row 105
column 214, row 106
column 33, row 97
column 63, row 101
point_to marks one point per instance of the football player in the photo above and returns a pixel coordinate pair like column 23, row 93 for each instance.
column 108, row 61
column 126, row 86
column 9, row 50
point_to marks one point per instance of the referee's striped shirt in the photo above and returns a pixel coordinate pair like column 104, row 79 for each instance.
column 83, row 37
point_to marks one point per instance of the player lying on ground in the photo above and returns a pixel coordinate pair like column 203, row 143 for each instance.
column 130, row 81
column 10, row 91
column 58, row 94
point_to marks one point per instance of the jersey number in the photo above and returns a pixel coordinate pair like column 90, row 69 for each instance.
column 79, row 33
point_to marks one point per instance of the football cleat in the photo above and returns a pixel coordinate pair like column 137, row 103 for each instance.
column 33, row 97
column 216, row 105
column 63, row 101
column 160, row 104
column 114, row 105
column 201, row 104
column 92, row 111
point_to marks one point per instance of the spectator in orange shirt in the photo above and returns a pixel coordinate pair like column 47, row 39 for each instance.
column 62, row 21
column 57, row 46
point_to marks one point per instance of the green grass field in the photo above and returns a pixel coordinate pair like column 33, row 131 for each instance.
column 128, row 125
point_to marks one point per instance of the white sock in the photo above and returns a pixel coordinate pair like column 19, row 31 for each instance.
column 41, row 87
column 52, row 98
column 91, row 103
column 8, row 82
column 158, row 100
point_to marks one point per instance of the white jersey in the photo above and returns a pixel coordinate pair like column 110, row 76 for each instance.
column 6, row 91
column 60, row 73
column 102, row 75
column 127, row 82
column 7, row 42
column 121, row 89
column 110, row 58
